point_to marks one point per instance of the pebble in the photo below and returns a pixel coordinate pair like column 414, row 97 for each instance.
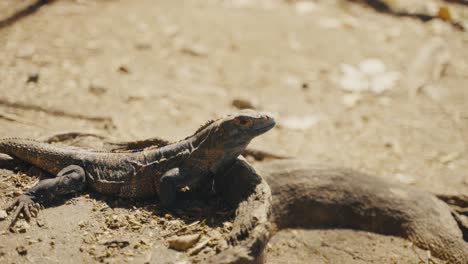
column 97, row 88
column 183, row 243
column 26, row 52
column 195, row 50
column 22, row 226
column 21, row 250
column 351, row 100
column 240, row 103
column 3, row 215
column 33, row 78
column 123, row 69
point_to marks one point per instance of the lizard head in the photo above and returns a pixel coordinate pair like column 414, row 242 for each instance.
column 222, row 141
column 246, row 125
column 235, row 131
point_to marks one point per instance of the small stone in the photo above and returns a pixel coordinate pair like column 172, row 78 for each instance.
column 171, row 31
column 240, row 103
column 351, row 100
column 22, row 226
column 123, row 69
column 450, row 157
column 292, row 82
column 33, row 78
column 21, row 250
column 116, row 244
column 195, row 50
column 183, row 243
column 40, row 223
column 3, row 215
column 227, row 226
column 292, row 244
column 97, row 88
column 26, row 52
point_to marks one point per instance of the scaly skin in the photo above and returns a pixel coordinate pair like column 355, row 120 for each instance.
column 160, row 171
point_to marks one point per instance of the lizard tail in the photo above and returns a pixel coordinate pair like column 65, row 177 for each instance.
column 46, row 156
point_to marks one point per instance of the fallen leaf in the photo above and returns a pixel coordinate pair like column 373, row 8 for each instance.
column 372, row 67
column 444, row 13
column 370, row 75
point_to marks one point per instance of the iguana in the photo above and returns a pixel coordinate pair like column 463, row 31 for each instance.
column 159, row 170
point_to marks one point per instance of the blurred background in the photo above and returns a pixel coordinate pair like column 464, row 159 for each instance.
column 379, row 86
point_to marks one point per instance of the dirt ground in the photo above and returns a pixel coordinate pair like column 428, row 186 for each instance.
column 139, row 69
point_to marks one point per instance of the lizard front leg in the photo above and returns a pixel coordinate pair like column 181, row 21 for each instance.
column 69, row 180
column 169, row 183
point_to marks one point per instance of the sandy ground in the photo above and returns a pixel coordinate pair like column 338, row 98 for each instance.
column 138, row 69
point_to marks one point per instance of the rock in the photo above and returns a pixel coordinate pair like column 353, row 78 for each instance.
column 22, row 226
column 21, row 250
column 40, row 223
column 123, row 69
column 3, row 215
column 240, row 103
column 227, row 226
column 33, row 78
column 183, row 243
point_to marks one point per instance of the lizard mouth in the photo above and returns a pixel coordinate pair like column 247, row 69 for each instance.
column 264, row 128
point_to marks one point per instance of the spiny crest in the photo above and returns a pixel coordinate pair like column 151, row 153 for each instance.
column 137, row 146
column 207, row 123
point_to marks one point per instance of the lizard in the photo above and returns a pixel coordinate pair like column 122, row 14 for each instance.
column 159, row 170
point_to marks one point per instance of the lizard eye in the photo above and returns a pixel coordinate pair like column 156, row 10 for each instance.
column 243, row 122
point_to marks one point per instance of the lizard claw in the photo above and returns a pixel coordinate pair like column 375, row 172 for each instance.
column 24, row 204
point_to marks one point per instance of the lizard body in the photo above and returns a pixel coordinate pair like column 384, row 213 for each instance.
column 160, row 170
